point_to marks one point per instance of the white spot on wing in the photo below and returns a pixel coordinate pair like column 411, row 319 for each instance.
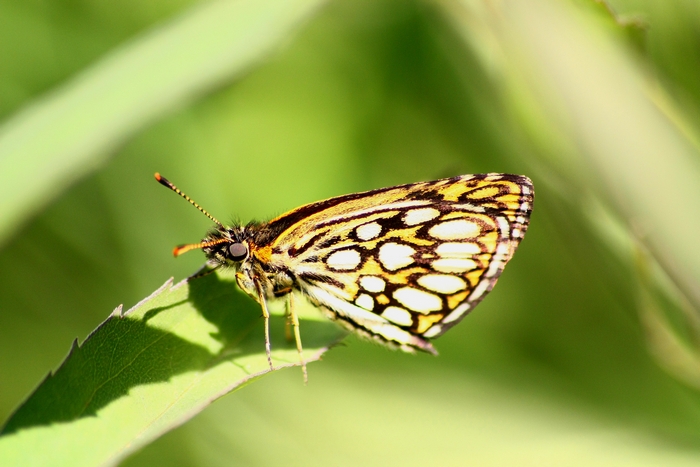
column 372, row 283
column 452, row 230
column 453, row 265
column 494, row 267
column 478, row 292
column 434, row 331
column 394, row 256
column 504, row 226
column 442, row 283
column 417, row 300
column 457, row 312
column 419, row 216
column 397, row 315
column 368, row 231
column 458, row 249
column 344, row 259
column 365, row 301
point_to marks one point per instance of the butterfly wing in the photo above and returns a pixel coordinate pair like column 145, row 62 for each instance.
column 404, row 264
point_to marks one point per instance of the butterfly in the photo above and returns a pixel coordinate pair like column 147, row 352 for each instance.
column 400, row 265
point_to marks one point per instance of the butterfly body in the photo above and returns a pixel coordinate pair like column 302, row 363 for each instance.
column 400, row 265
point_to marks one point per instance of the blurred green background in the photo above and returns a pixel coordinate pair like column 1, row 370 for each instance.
column 586, row 353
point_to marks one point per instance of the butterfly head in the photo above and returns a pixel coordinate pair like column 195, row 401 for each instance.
column 226, row 246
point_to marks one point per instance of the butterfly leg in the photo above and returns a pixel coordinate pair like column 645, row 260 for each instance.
column 266, row 315
column 288, row 325
column 297, row 336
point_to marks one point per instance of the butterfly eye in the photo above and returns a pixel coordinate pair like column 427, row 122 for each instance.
column 238, row 251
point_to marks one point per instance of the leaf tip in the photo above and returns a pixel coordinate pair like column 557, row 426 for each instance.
column 74, row 346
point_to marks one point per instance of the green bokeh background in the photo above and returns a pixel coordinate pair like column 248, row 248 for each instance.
column 586, row 351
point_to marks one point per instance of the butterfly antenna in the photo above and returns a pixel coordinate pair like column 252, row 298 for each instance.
column 165, row 182
column 180, row 249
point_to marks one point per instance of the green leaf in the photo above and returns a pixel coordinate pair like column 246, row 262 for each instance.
column 146, row 371
column 70, row 132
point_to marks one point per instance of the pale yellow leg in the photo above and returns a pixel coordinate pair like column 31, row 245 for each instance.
column 288, row 326
column 266, row 315
column 297, row 335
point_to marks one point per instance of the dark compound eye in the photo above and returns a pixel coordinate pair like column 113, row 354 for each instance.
column 238, row 251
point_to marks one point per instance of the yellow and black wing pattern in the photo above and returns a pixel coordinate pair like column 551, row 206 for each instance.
column 403, row 264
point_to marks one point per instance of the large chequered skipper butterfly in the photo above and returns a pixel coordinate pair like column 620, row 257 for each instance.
column 400, row 265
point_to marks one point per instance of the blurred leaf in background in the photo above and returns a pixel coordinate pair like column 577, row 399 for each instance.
column 587, row 351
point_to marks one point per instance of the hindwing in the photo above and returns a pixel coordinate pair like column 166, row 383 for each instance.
column 404, row 263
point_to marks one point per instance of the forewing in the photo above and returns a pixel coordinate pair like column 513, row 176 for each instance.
column 416, row 257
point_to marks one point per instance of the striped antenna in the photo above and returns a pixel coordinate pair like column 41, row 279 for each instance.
column 180, row 249
column 165, row 182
